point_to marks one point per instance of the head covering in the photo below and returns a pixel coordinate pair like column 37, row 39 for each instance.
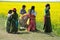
column 14, row 9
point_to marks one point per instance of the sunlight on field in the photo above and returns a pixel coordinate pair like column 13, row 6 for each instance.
column 40, row 7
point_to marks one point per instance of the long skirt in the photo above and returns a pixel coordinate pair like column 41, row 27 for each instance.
column 23, row 22
column 8, row 26
column 14, row 26
column 47, row 25
column 32, row 25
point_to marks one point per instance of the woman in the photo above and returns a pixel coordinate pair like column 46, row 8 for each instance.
column 32, row 22
column 8, row 27
column 14, row 21
column 47, row 23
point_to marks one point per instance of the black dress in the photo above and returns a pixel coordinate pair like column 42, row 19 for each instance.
column 8, row 26
column 14, row 23
column 47, row 24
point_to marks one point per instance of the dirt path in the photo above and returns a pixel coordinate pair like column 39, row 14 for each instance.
column 24, row 35
column 27, row 36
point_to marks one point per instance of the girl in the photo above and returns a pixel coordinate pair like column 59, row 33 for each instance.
column 22, row 12
column 14, row 21
column 23, row 22
column 32, row 22
column 47, row 24
column 9, row 21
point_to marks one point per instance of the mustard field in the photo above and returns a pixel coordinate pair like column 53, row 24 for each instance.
column 39, row 8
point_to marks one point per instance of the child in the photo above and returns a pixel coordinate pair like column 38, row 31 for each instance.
column 23, row 22
column 9, row 21
column 22, row 12
column 14, row 21
column 47, row 24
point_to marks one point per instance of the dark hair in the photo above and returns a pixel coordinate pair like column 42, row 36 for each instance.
column 33, row 7
column 47, row 5
column 10, row 11
column 23, row 6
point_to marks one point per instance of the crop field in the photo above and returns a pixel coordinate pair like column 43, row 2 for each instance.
column 39, row 8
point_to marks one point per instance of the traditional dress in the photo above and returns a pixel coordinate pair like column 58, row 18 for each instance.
column 23, row 21
column 14, row 22
column 23, row 11
column 32, row 24
column 32, row 21
column 23, row 25
column 8, row 27
column 47, row 22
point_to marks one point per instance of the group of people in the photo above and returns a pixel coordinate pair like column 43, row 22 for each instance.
column 13, row 20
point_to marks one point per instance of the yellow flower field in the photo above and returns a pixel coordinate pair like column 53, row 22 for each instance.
column 40, row 7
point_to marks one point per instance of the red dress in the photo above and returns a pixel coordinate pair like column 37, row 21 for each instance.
column 32, row 23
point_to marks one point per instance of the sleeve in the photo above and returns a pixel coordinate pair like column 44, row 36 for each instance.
column 25, row 11
column 16, row 16
column 34, row 13
column 45, row 12
column 28, row 15
column 21, row 12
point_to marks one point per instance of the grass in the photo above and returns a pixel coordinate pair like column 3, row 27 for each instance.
column 55, row 27
column 39, row 24
column 40, row 6
column 27, row 35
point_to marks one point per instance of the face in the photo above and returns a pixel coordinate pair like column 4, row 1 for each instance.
column 33, row 8
column 48, row 7
column 23, row 7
